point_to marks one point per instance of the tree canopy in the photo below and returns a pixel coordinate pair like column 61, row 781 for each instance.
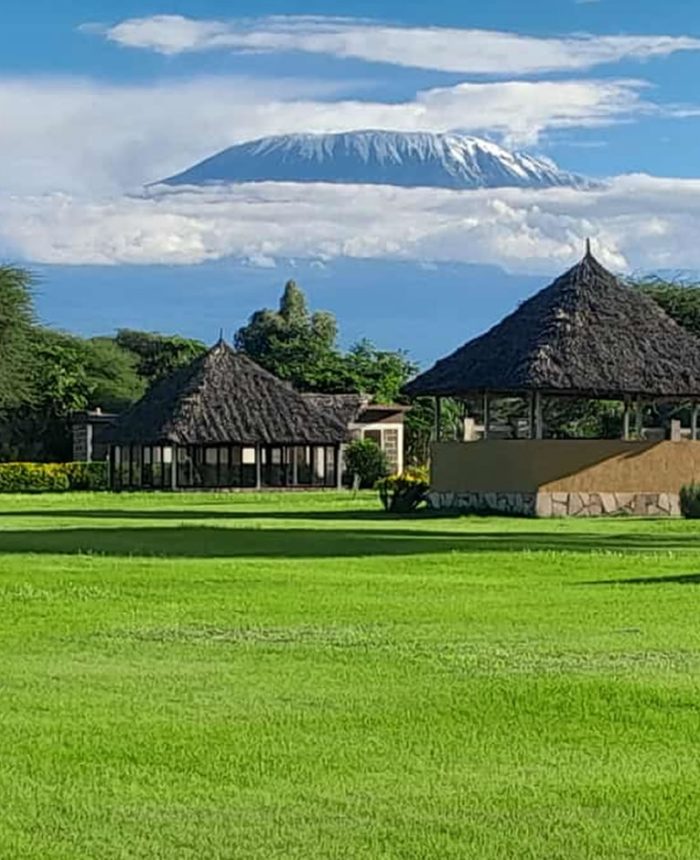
column 301, row 346
column 16, row 324
column 157, row 355
column 680, row 299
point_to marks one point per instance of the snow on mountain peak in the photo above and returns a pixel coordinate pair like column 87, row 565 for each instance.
column 408, row 159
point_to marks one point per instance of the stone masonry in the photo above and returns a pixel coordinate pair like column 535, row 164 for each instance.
column 562, row 504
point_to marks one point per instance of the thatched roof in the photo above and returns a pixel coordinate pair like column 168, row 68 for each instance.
column 586, row 334
column 221, row 397
column 345, row 408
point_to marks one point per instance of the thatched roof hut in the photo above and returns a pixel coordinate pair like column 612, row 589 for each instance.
column 225, row 397
column 586, row 334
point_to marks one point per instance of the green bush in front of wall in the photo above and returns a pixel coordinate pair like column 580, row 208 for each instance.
column 52, row 477
column 690, row 501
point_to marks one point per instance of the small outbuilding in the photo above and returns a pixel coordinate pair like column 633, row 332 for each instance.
column 587, row 335
column 383, row 423
column 225, row 422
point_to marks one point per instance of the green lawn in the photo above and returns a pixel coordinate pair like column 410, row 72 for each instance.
column 299, row 676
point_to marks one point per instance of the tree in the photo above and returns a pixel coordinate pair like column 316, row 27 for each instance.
column 680, row 299
column 39, row 429
column 158, row 355
column 366, row 460
column 16, row 321
column 301, row 347
column 113, row 376
column 376, row 371
column 420, row 426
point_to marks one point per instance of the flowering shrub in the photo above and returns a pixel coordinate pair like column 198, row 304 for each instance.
column 52, row 477
column 402, row 494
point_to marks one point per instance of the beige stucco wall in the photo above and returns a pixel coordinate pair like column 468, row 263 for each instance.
column 577, row 465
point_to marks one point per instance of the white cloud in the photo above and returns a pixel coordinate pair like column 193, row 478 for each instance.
column 451, row 50
column 82, row 136
column 637, row 222
column 77, row 134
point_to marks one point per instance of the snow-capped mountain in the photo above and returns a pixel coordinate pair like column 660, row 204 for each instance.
column 408, row 159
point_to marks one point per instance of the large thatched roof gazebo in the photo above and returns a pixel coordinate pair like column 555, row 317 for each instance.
column 587, row 335
column 224, row 421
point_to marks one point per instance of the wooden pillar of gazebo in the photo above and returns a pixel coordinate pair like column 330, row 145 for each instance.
column 487, row 414
column 626, row 420
column 694, row 421
column 438, row 419
column 258, row 467
column 638, row 420
column 535, row 415
column 173, row 468
column 339, row 467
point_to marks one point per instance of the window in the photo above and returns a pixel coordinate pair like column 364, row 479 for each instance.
column 374, row 435
column 248, row 456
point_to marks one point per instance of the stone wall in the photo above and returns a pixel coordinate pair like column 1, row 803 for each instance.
column 511, row 504
column 559, row 504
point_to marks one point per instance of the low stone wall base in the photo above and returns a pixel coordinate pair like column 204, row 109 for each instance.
column 560, row 504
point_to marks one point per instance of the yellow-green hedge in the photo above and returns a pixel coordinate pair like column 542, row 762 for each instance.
column 52, row 477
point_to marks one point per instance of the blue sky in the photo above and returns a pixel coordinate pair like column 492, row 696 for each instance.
column 98, row 98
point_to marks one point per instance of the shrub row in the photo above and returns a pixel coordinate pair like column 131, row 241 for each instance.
column 52, row 477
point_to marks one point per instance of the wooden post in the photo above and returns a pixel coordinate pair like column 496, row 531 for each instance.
column 694, row 422
column 339, row 467
column 539, row 422
column 173, row 468
column 258, row 467
column 438, row 419
column 638, row 420
column 626, row 421
column 295, row 467
column 531, row 415
column 487, row 414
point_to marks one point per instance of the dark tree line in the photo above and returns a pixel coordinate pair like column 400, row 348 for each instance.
column 46, row 375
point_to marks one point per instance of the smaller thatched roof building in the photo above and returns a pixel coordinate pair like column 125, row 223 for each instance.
column 223, row 421
column 345, row 408
column 225, row 397
column 587, row 334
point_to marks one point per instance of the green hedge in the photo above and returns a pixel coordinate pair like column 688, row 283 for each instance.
column 52, row 477
column 690, row 501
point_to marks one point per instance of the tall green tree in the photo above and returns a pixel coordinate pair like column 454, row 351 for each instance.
column 301, row 346
column 16, row 324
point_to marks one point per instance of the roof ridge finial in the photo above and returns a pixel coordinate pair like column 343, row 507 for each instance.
column 589, row 253
column 221, row 337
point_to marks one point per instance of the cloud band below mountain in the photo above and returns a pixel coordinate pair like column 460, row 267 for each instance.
column 636, row 222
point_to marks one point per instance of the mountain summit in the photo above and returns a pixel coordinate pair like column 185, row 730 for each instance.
column 407, row 159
